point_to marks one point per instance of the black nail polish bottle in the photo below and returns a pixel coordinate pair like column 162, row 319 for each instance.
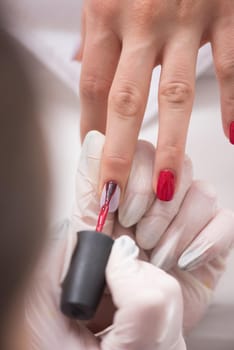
column 84, row 284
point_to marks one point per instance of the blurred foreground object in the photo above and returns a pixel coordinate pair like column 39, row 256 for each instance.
column 23, row 181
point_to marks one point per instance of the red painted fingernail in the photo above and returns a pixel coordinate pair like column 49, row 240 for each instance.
column 166, row 185
column 231, row 133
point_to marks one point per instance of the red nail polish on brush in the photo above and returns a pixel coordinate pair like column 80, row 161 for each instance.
column 109, row 191
column 231, row 133
column 166, row 185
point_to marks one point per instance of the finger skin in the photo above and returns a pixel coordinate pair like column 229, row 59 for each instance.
column 223, row 53
column 156, row 220
column 126, row 105
column 176, row 93
column 100, row 58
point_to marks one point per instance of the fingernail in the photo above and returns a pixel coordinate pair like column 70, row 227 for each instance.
column 231, row 133
column 111, row 194
column 166, row 185
column 194, row 255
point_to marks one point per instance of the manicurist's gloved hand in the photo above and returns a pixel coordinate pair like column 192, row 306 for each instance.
column 189, row 237
column 143, row 305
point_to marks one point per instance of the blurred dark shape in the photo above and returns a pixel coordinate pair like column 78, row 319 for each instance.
column 24, row 185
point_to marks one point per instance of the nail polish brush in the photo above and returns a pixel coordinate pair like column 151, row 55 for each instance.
column 84, row 283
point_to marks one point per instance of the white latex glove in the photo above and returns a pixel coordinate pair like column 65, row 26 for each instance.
column 189, row 237
column 148, row 301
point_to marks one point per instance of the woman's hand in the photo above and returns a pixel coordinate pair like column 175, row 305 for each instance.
column 122, row 43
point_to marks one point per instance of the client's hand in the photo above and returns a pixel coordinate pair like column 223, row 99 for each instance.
column 143, row 304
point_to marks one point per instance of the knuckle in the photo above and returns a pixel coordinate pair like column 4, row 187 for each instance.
column 116, row 166
column 92, row 88
column 225, row 69
column 126, row 101
column 116, row 162
column 171, row 152
column 176, row 92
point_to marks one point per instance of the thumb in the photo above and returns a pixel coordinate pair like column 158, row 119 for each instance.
column 122, row 266
column 148, row 301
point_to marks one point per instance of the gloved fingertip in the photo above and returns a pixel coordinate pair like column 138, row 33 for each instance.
column 92, row 139
column 194, row 256
column 124, row 249
column 91, row 152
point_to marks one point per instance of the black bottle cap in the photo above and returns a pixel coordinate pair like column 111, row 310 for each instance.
column 84, row 284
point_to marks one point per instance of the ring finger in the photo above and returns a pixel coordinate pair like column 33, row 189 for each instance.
column 176, row 93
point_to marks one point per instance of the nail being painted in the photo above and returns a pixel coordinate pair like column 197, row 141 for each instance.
column 111, row 193
column 111, row 189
